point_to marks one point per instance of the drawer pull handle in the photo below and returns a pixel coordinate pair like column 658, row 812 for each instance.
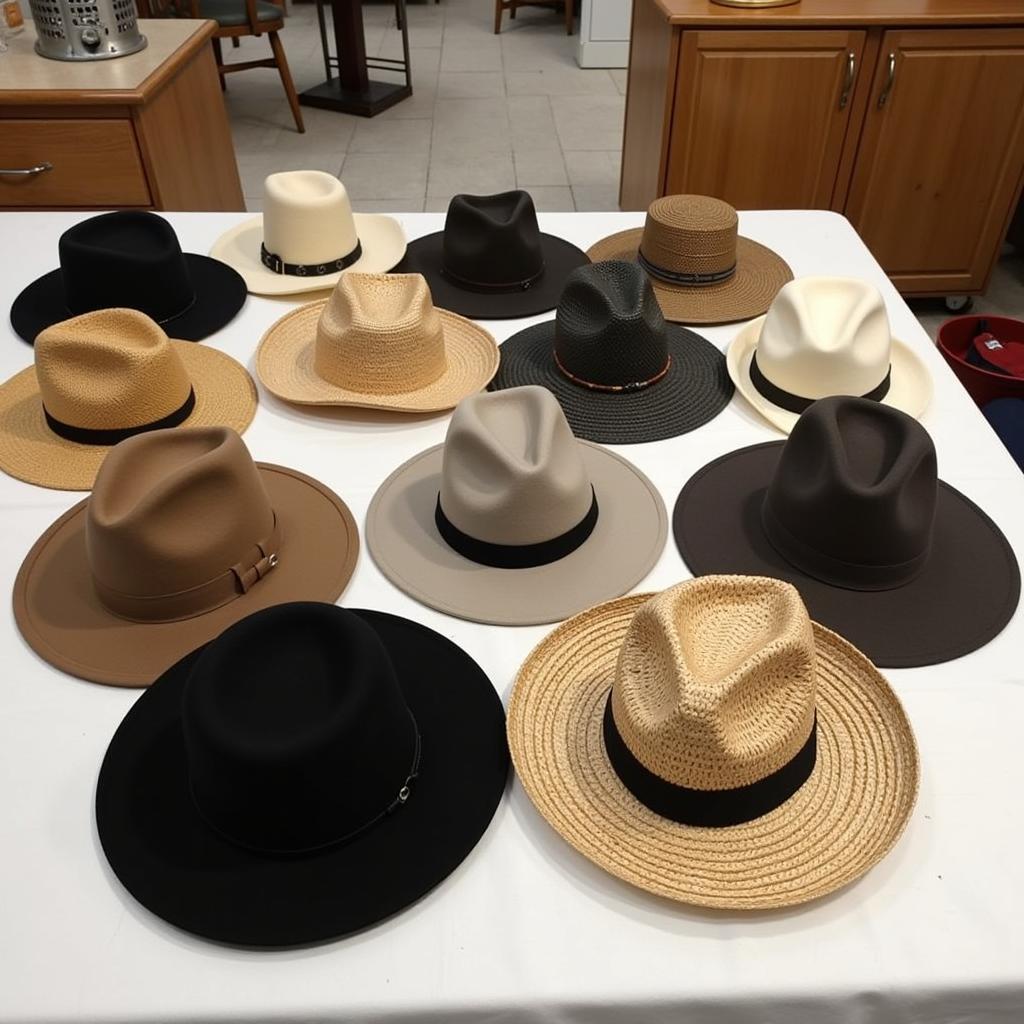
column 888, row 82
column 28, row 172
column 851, row 74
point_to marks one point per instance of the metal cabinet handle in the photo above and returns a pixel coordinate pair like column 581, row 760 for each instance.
column 851, row 73
column 28, row 171
column 888, row 82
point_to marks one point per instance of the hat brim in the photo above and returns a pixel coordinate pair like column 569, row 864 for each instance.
column 966, row 594
column 910, row 383
column 63, row 621
column 425, row 256
column 840, row 823
column 760, row 273
column 219, row 295
column 381, row 238
column 285, row 365
column 693, row 392
column 225, row 396
column 626, row 543
column 176, row 866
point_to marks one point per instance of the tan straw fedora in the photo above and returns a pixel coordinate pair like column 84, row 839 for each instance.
column 182, row 536
column 378, row 343
column 105, row 376
column 307, row 237
column 713, row 745
column 702, row 270
column 825, row 336
column 513, row 520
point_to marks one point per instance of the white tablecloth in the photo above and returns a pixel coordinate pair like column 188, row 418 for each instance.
column 526, row 929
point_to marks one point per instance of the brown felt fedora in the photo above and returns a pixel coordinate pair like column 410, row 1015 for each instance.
column 183, row 535
column 703, row 271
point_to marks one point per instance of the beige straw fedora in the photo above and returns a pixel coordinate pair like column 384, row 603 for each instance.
column 102, row 377
column 825, row 336
column 512, row 520
column 378, row 343
column 714, row 746
column 182, row 536
column 307, row 237
column 702, row 270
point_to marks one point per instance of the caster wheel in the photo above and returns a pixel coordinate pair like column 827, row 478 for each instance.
column 958, row 303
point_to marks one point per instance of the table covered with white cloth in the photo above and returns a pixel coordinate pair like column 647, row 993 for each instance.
column 526, row 929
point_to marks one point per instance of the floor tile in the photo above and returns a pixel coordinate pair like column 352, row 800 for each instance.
column 553, row 200
column 382, row 176
column 589, row 122
column 539, row 167
column 470, row 84
column 560, row 83
column 596, row 197
column 484, row 174
column 619, row 76
column 471, row 56
column 404, row 204
column 587, row 167
column 376, row 136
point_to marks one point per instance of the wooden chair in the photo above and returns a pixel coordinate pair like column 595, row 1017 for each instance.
column 500, row 6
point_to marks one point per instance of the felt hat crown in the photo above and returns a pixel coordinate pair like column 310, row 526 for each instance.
column 689, row 240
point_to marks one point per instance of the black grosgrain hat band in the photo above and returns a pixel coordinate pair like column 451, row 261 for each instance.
column 637, row 385
column 516, row 556
column 711, row 808
column 797, row 403
column 482, row 286
column 89, row 435
column 274, row 263
column 675, row 277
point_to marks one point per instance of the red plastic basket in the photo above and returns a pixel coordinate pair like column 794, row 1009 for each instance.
column 982, row 385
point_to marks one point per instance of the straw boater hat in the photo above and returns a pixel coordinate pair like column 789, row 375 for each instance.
column 105, row 376
column 378, row 343
column 851, row 511
column 512, row 520
column 702, row 270
column 307, row 237
column 182, row 536
column 621, row 373
column 714, row 746
column 825, row 336
column 131, row 258
column 310, row 772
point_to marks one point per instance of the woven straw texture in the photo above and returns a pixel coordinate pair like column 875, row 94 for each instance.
column 378, row 343
column 841, row 822
column 110, row 369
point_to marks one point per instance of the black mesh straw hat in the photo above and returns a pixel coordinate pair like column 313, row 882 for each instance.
column 492, row 262
column 131, row 259
column 621, row 373
column 311, row 771
column 850, row 511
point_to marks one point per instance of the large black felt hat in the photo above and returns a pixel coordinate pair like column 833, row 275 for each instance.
column 308, row 773
column 492, row 262
column 620, row 372
column 850, row 510
column 131, row 259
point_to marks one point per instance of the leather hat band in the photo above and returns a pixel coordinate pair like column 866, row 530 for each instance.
column 274, row 263
column 88, row 435
column 480, row 286
column 638, row 385
column 797, row 403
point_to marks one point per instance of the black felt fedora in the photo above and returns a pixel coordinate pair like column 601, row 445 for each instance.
column 492, row 262
column 620, row 372
column 131, row 259
column 850, row 510
column 308, row 773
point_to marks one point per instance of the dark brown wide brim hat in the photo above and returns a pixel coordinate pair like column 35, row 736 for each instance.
column 63, row 620
column 965, row 595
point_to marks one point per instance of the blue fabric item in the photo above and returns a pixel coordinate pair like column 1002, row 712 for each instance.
column 1006, row 417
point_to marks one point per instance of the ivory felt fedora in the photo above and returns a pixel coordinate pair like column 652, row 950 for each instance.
column 307, row 237
column 850, row 510
column 378, row 342
column 713, row 745
column 621, row 373
column 703, row 271
column 131, row 258
column 512, row 520
column 102, row 377
column 491, row 261
column 306, row 774
column 182, row 535
column 825, row 336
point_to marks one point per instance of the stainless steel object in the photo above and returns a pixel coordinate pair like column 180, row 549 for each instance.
column 890, row 78
column 86, row 29
column 851, row 74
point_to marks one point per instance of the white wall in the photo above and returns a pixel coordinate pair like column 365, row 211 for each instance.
column 604, row 33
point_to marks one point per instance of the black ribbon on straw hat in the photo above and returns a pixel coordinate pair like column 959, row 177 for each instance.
column 114, row 435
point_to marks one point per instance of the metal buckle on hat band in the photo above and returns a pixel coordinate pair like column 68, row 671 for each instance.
column 247, row 577
column 674, row 277
column 274, row 263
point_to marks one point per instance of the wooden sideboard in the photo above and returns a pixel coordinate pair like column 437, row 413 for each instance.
column 905, row 115
column 147, row 130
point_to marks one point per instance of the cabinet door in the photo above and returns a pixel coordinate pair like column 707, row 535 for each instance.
column 761, row 116
column 940, row 158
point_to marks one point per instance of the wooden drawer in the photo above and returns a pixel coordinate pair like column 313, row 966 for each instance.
column 95, row 163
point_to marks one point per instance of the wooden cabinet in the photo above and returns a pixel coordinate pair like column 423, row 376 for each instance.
column 906, row 115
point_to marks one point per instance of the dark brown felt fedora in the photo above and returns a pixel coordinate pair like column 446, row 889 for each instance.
column 851, row 511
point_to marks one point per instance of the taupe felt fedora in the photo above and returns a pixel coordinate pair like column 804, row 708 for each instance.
column 105, row 376
column 183, row 535
column 512, row 520
column 702, row 270
column 378, row 342
column 713, row 745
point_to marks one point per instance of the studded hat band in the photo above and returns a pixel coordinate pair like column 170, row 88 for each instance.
column 274, row 262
